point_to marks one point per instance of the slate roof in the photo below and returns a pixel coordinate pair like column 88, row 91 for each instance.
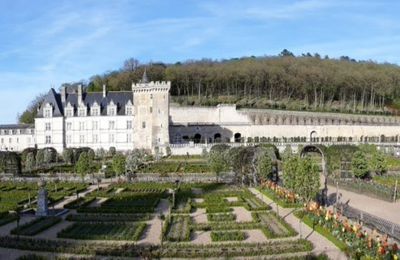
column 16, row 126
column 119, row 98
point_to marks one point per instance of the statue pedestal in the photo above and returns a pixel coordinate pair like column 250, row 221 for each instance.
column 42, row 208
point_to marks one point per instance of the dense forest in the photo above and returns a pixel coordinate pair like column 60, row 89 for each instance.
column 305, row 82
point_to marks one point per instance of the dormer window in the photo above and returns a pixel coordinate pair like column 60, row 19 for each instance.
column 129, row 108
column 82, row 111
column 47, row 110
column 111, row 109
column 69, row 110
column 95, row 110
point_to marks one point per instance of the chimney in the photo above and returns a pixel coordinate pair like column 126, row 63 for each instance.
column 80, row 99
column 104, row 91
column 63, row 94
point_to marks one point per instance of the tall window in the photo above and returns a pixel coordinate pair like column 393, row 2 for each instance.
column 111, row 138
column 143, row 124
column 47, row 112
column 48, row 139
column 69, row 125
column 48, row 126
column 95, row 138
column 111, row 125
column 68, row 139
column 129, row 110
column 81, row 125
column 95, row 111
column 82, row 111
column 81, row 139
column 111, row 111
column 69, row 112
column 95, row 125
column 129, row 124
column 129, row 138
column 151, row 109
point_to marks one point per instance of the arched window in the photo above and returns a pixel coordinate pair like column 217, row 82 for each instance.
column 237, row 137
column 217, row 138
column 197, row 138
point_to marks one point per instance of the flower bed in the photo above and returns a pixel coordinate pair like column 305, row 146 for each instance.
column 101, row 231
column 36, row 226
column 178, row 228
column 280, row 195
column 108, row 217
column 227, row 236
column 221, row 217
column 349, row 237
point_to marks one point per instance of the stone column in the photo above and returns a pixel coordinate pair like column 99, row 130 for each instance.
column 42, row 207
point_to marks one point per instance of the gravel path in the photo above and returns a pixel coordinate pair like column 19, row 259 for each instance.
column 242, row 214
column 387, row 210
column 321, row 244
column 199, row 216
column 152, row 234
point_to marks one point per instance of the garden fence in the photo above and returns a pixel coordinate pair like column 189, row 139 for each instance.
column 370, row 189
column 382, row 225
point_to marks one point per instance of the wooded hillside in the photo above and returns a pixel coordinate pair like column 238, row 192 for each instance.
column 306, row 82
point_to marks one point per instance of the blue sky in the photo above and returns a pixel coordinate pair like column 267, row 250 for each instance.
column 46, row 43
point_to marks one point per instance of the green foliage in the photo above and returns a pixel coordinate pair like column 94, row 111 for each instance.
column 264, row 166
column 290, row 166
column 10, row 162
column 378, row 163
column 217, row 162
column 118, row 164
column 112, row 151
column 227, row 236
column 301, row 175
column 68, row 155
column 135, row 159
column 104, row 231
column 359, row 165
column 49, row 155
column 307, row 179
column 36, row 226
column 287, row 153
column 40, row 157
column 83, row 164
column 30, row 162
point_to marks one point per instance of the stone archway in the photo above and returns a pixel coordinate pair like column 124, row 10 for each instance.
column 320, row 149
column 217, row 138
column 197, row 138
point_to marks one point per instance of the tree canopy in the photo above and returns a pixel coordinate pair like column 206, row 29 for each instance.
column 283, row 81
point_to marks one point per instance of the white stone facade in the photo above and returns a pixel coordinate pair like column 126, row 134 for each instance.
column 144, row 118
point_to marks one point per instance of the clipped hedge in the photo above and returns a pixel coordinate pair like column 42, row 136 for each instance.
column 36, row 226
column 227, row 236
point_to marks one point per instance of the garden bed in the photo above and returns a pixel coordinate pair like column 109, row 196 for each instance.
column 178, row 228
column 36, row 226
column 217, row 236
column 221, row 217
column 101, row 231
column 108, row 217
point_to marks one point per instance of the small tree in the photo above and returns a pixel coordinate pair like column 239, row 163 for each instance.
column 378, row 163
column 49, row 155
column 307, row 179
column 40, row 157
column 287, row 152
column 30, row 162
column 83, row 165
column 118, row 164
column 217, row 163
column 359, row 165
column 112, row 151
column 68, row 156
column 264, row 166
column 91, row 154
column 290, row 166
column 134, row 160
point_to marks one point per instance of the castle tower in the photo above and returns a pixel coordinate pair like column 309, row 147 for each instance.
column 151, row 114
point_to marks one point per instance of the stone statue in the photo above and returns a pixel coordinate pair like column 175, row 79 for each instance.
column 42, row 207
